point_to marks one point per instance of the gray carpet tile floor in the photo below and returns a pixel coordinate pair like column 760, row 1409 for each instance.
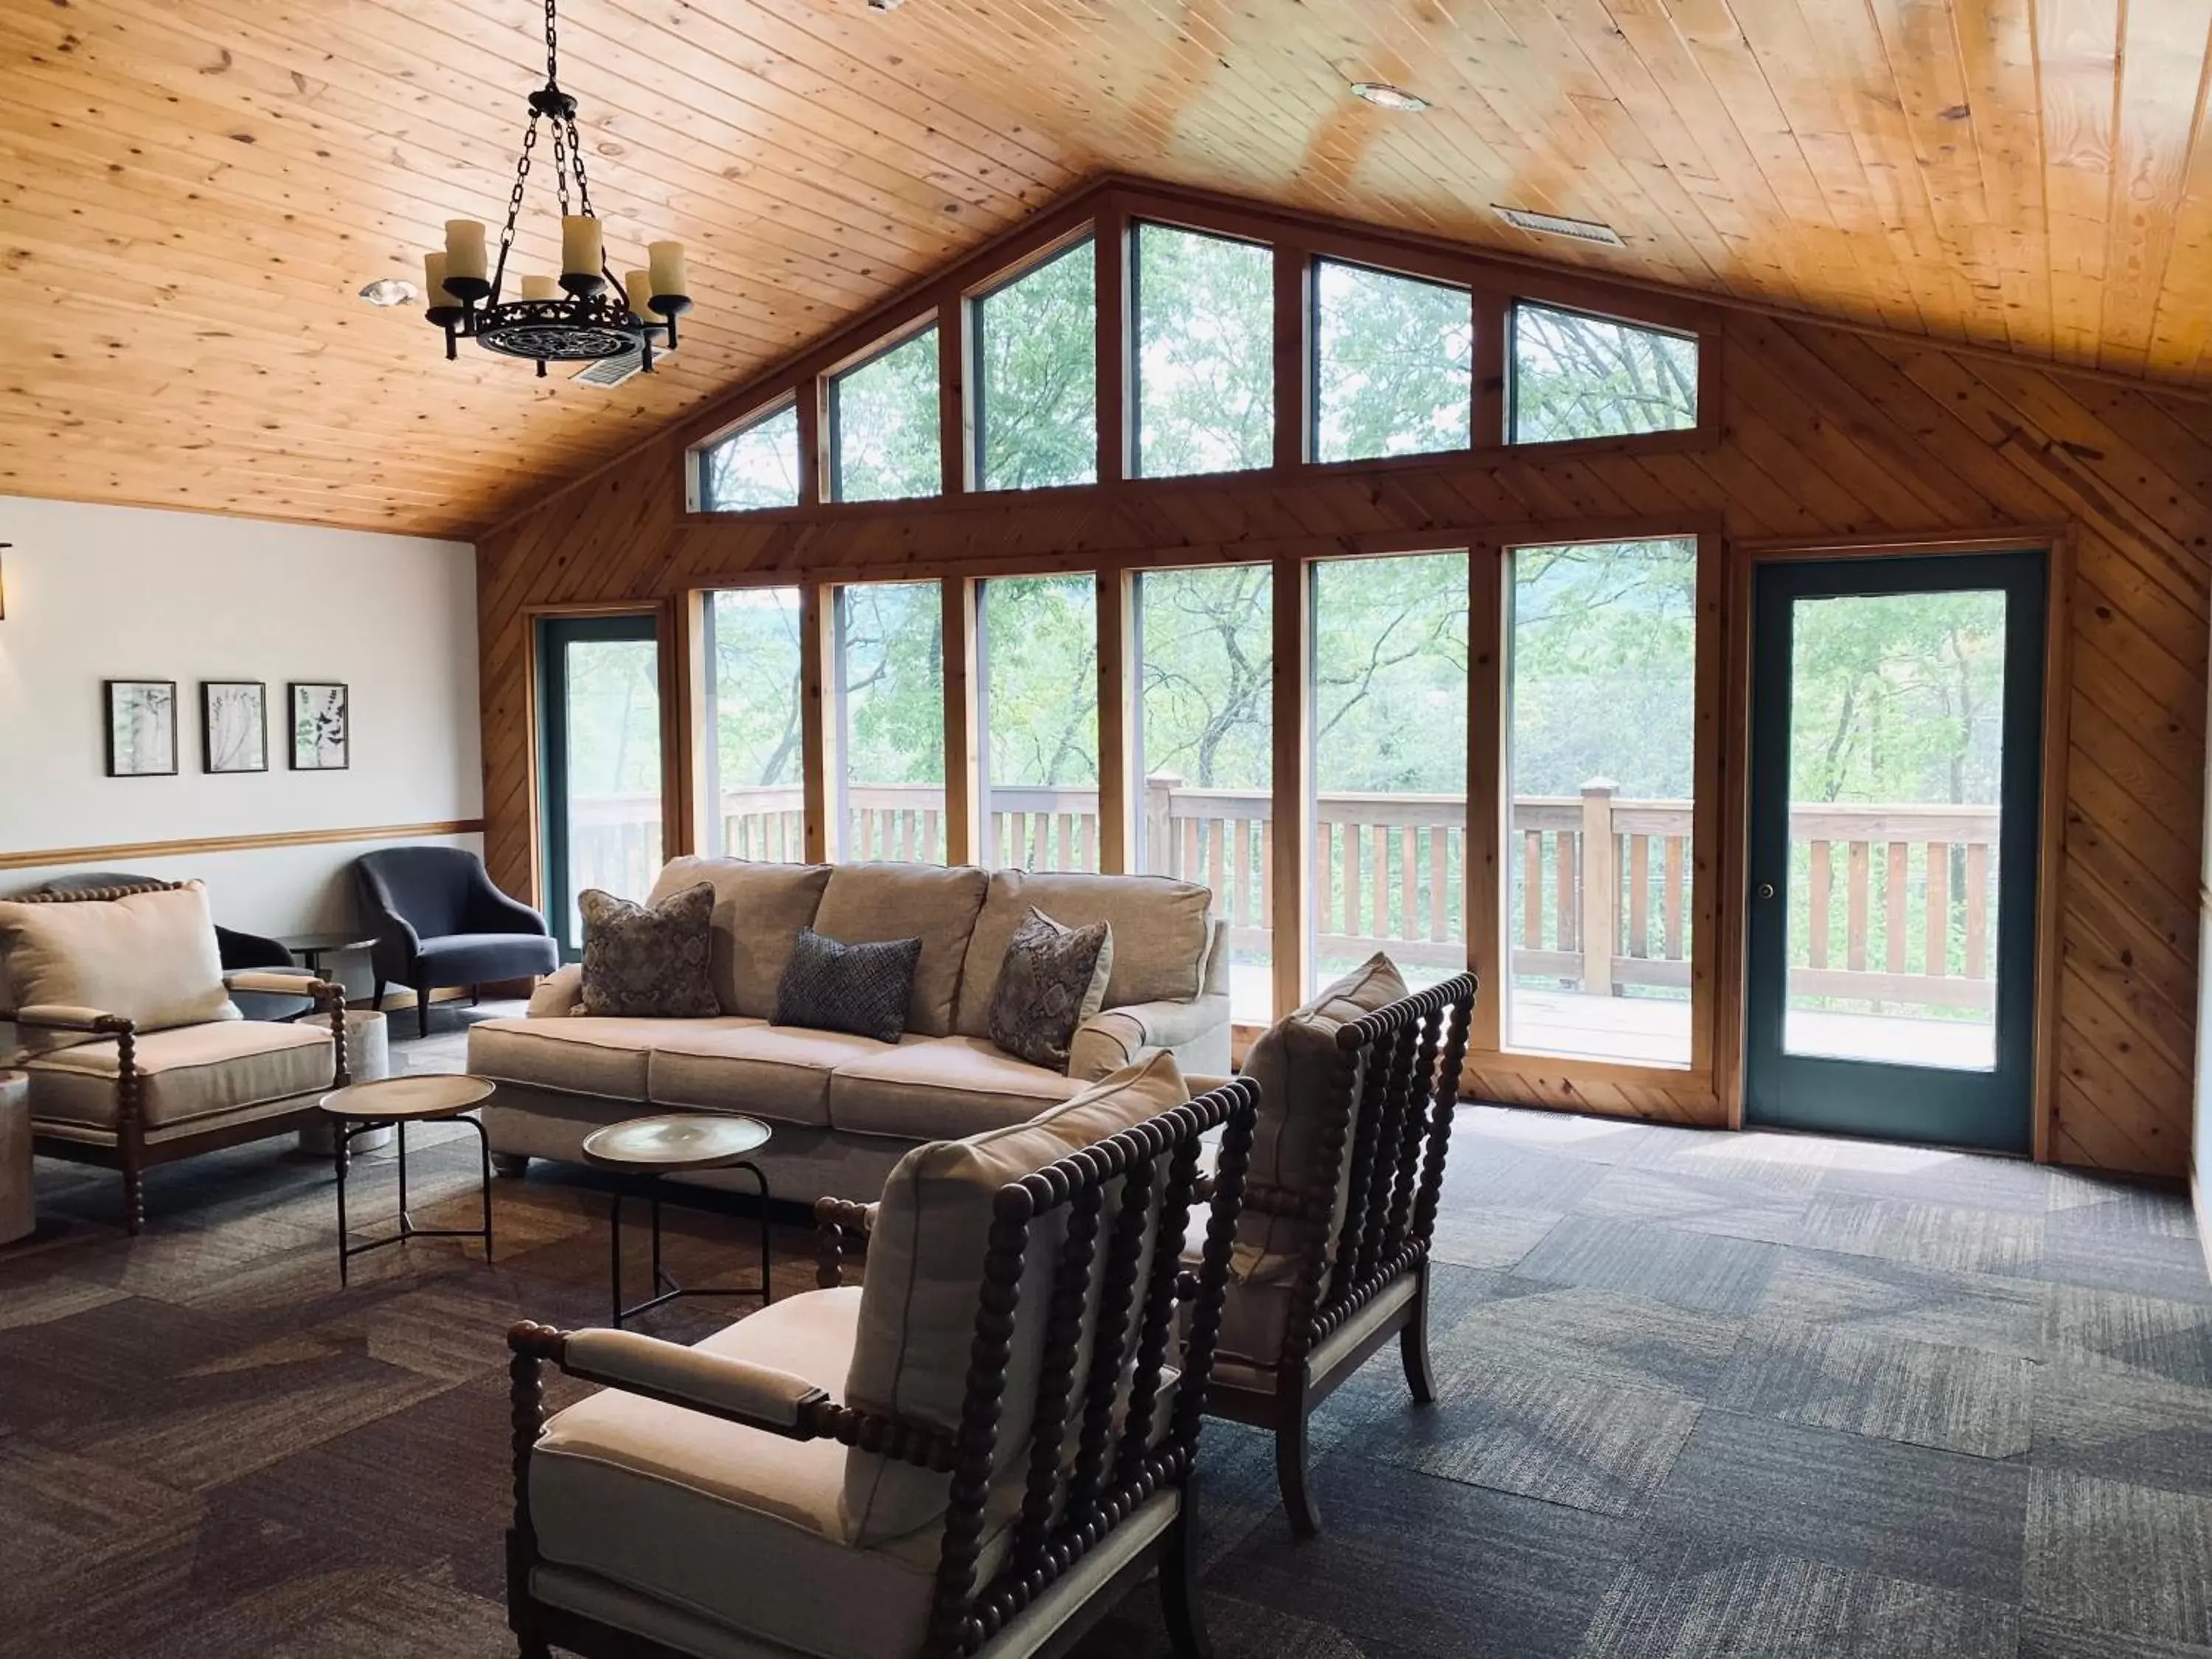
column 1700, row 1396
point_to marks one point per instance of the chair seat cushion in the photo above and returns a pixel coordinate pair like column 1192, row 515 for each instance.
column 942, row 1089
column 779, row 1071
column 734, row 1525
column 581, row 1055
column 190, row 1071
column 474, row 958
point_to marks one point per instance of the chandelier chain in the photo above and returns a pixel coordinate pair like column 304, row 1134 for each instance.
column 552, row 46
column 560, row 166
column 583, row 185
column 514, row 197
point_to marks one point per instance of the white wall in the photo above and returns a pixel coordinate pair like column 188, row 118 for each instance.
column 99, row 592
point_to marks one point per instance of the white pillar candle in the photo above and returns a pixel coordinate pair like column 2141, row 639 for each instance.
column 465, row 248
column 580, row 245
column 434, row 282
column 540, row 287
column 638, row 285
column 667, row 261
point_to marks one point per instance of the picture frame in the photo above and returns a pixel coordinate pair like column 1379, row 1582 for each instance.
column 322, row 725
column 234, row 726
column 141, row 728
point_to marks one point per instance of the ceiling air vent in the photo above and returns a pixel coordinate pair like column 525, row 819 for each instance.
column 613, row 371
column 1550, row 224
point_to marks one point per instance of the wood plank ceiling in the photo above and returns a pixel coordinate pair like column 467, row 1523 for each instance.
column 195, row 189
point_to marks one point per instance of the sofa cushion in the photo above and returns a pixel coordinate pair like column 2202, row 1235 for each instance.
column 1161, row 935
column 864, row 990
column 866, row 903
column 736, row 1524
column 1053, row 979
column 579, row 1055
column 649, row 960
column 188, row 1071
column 149, row 958
column 1294, row 1064
column 925, row 1252
column 758, row 911
column 941, row 1088
column 776, row 1072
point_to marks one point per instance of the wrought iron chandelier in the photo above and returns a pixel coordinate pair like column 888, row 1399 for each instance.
column 586, row 314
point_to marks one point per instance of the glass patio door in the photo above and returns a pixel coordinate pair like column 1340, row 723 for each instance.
column 1896, row 777
column 599, row 713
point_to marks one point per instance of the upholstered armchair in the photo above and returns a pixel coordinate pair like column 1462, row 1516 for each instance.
column 975, row 1451
column 115, row 1008
column 1356, row 1090
column 440, row 921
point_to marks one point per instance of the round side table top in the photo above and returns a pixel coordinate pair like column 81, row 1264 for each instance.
column 427, row 1095
column 675, row 1140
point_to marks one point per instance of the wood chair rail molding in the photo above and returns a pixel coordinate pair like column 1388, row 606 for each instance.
column 1825, row 436
column 39, row 857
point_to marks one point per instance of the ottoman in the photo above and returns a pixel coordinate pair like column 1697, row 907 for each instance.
column 18, row 1213
column 368, row 1057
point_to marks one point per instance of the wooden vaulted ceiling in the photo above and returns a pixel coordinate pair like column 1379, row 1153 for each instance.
column 194, row 190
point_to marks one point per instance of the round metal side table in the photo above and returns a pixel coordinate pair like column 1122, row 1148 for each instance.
column 395, row 1103
column 676, row 1143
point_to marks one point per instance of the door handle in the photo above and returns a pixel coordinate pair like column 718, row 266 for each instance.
column 1764, row 890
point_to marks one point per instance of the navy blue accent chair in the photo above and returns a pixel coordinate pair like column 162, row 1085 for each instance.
column 440, row 921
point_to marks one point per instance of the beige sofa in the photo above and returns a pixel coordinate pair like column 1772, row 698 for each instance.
column 846, row 1108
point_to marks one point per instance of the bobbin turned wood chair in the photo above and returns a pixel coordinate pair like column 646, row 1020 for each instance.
column 1355, row 1095
column 975, row 1451
column 114, row 1005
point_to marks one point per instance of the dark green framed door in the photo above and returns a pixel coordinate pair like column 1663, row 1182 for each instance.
column 1896, row 792
column 599, row 767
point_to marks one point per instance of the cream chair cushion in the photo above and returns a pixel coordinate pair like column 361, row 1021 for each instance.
column 1294, row 1064
column 941, row 1086
column 582, row 1054
column 778, row 1071
column 758, row 911
column 190, row 1071
column 869, row 903
column 148, row 957
column 736, row 1525
column 925, row 1253
column 1161, row 935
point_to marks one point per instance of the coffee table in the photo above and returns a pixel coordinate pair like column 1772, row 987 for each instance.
column 677, row 1142
column 397, row 1102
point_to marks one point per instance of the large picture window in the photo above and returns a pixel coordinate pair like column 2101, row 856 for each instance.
column 1575, row 376
column 890, row 722
column 1036, row 375
column 1393, row 364
column 1205, row 358
column 1039, row 642
column 754, row 467
column 1388, row 707
column 1597, row 858
column 752, row 783
column 885, row 439
column 1205, row 733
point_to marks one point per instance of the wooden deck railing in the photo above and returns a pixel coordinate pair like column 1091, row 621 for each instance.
column 1896, row 910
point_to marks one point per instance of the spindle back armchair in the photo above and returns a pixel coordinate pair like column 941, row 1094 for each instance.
column 1063, row 1477
column 1357, row 1091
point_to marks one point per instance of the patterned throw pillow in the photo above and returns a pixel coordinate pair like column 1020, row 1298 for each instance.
column 649, row 963
column 860, row 988
column 1052, row 980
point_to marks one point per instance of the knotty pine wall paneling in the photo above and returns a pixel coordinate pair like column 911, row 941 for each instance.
column 1818, row 432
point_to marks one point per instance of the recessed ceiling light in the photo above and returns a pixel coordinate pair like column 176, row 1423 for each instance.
column 1552, row 224
column 1383, row 95
column 390, row 291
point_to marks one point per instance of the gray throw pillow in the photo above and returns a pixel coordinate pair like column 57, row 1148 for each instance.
column 860, row 988
column 1052, row 979
column 649, row 961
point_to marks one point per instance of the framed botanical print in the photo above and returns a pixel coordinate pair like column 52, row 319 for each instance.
column 141, row 728
column 234, row 726
column 322, row 727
